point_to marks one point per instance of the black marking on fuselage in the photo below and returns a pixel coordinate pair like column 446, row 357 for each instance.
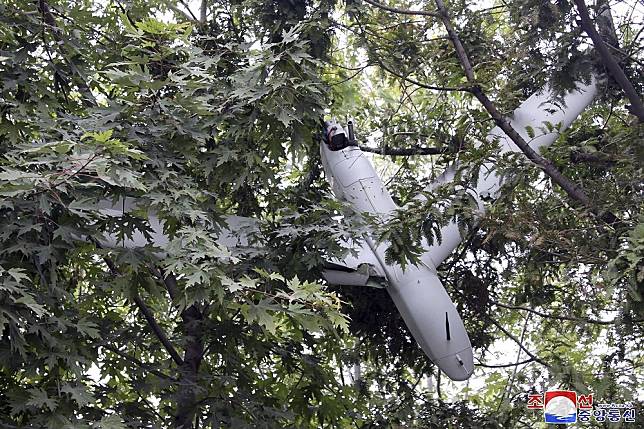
column 449, row 336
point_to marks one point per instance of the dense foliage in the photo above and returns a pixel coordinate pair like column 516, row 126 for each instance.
column 204, row 110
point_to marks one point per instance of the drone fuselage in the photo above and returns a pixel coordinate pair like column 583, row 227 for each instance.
column 416, row 291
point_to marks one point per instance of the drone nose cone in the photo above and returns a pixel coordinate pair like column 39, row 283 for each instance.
column 457, row 366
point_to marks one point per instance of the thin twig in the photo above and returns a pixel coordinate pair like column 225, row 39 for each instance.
column 401, row 11
column 399, row 151
column 354, row 74
column 138, row 362
column 510, row 383
column 558, row 317
column 504, row 365
column 421, row 84
column 516, row 340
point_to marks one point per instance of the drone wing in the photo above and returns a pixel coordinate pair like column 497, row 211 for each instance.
column 359, row 269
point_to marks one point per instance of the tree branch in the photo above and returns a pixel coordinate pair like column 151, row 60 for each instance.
column 181, row 12
column 203, row 11
column 411, row 151
column 50, row 21
column 598, row 158
column 421, row 84
column 149, row 317
column 574, row 191
column 504, row 365
column 509, row 335
column 354, row 74
column 516, row 340
column 626, row 55
column 194, row 18
column 401, row 11
column 557, row 317
column 137, row 362
column 636, row 107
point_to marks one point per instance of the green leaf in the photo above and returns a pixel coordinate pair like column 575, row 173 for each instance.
column 78, row 394
column 110, row 421
column 259, row 313
column 18, row 274
column 28, row 301
column 38, row 398
column 98, row 137
column 88, row 328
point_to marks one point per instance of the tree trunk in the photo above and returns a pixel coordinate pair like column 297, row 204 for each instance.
column 188, row 384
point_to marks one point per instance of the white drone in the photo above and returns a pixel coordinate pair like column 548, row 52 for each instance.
column 417, row 292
